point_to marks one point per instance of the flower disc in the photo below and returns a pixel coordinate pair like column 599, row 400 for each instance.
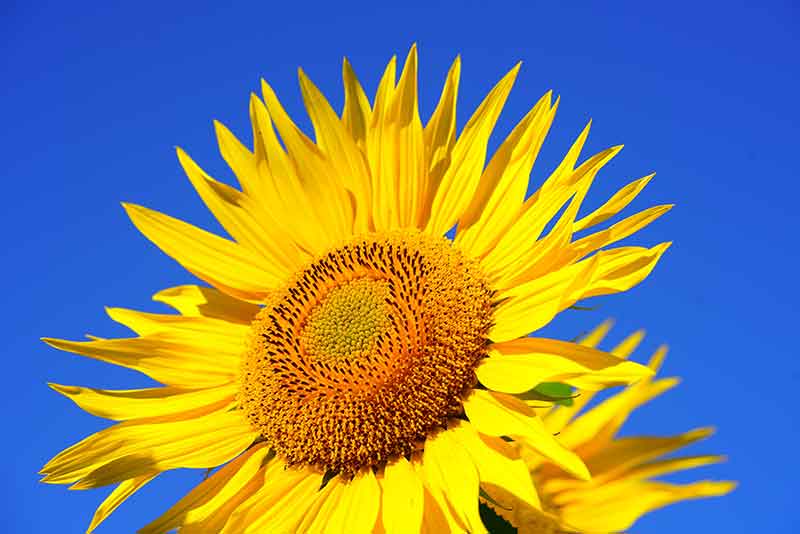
column 366, row 350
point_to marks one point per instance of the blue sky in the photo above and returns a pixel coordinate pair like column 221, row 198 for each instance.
column 95, row 97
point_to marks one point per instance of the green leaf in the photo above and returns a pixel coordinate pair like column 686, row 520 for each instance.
column 555, row 392
column 493, row 522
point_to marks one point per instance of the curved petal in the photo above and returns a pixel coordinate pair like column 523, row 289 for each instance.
column 198, row 301
column 134, row 448
column 222, row 263
column 497, row 414
column 403, row 498
column 615, row 204
column 180, row 362
column 341, row 150
column 530, row 306
column 520, row 365
column 120, row 494
column 440, row 136
column 279, row 505
column 243, row 218
column 357, row 113
column 500, row 469
column 230, row 485
column 451, row 476
column 461, row 178
column 122, row 405
column 397, row 152
column 502, row 188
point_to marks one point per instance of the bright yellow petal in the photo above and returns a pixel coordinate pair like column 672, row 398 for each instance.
column 451, row 476
column 228, row 484
column 599, row 425
column 502, row 188
column 222, row 263
column 530, row 306
column 615, row 204
column 517, row 240
column 497, row 414
column 279, row 505
column 616, row 232
column 619, row 514
column 197, row 301
column 461, row 178
column 180, row 362
column 520, row 365
column 325, row 190
column 341, row 151
column 121, row 405
column 120, row 494
column 403, row 498
column 243, row 218
column 357, row 508
column 440, row 137
column 620, row 269
column 134, row 448
column 500, row 470
column 397, row 152
column 357, row 113
column 289, row 204
column 624, row 453
column 217, row 331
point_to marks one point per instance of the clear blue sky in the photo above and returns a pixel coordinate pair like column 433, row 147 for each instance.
column 95, row 97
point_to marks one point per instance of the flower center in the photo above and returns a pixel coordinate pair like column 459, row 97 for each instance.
column 348, row 321
column 366, row 351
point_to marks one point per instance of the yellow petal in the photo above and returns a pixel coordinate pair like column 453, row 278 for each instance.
column 341, row 150
column 134, row 448
column 530, row 306
column 197, row 301
column 171, row 360
column 499, row 468
column 505, row 259
column 520, row 365
column 600, row 424
column 619, row 514
column 620, row 269
column 357, row 112
column 616, row 232
column 440, row 136
column 403, row 498
column 121, row 405
column 229, row 483
column 120, row 494
column 461, row 178
column 288, row 201
column 279, row 505
column 615, row 204
column 144, row 324
column 243, row 218
column 504, row 182
column 497, row 414
column 324, row 189
column 624, row 453
column 240, row 159
column 357, row 507
column 451, row 475
column 224, row 264
column 396, row 150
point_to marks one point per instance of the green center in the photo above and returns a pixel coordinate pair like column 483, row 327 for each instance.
column 347, row 322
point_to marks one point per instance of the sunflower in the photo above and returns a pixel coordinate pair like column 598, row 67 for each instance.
column 352, row 368
column 622, row 488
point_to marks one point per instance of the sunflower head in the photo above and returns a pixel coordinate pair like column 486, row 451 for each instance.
column 349, row 357
column 367, row 350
